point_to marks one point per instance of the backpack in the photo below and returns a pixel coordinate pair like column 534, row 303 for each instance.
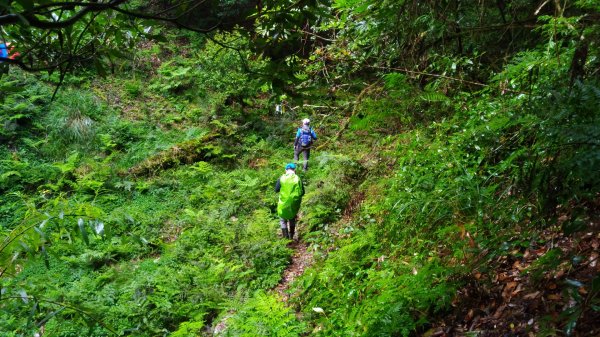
column 3, row 50
column 305, row 137
column 290, row 196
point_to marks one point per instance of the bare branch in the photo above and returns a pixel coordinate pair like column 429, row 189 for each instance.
column 173, row 20
column 32, row 20
column 313, row 34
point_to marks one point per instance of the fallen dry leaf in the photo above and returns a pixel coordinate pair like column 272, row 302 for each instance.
column 559, row 274
column 501, row 277
column 531, row 295
column 518, row 266
column 507, row 292
column 593, row 259
column 499, row 311
column 518, row 290
column 554, row 297
column 470, row 315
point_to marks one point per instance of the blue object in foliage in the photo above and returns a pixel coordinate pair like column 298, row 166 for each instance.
column 3, row 50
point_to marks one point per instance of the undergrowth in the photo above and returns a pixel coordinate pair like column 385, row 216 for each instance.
column 145, row 206
column 457, row 193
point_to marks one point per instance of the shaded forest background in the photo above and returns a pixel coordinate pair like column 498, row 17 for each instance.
column 453, row 190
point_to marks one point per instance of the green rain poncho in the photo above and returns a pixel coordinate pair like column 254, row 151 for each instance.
column 290, row 196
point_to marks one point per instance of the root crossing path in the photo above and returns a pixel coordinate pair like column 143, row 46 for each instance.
column 301, row 259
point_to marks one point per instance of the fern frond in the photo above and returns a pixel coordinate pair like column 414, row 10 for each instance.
column 433, row 96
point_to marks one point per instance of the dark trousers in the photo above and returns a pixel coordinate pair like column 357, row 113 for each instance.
column 288, row 226
column 287, row 223
column 306, row 151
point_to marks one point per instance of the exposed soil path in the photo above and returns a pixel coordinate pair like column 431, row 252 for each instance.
column 301, row 259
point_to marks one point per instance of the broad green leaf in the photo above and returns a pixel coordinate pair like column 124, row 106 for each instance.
column 27, row 4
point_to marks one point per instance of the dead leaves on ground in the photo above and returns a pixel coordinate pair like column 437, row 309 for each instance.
column 539, row 290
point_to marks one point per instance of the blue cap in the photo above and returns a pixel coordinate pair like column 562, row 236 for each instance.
column 290, row 166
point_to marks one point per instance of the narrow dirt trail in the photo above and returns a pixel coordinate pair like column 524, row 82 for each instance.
column 301, row 259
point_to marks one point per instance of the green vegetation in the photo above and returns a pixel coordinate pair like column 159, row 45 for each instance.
column 453, row 189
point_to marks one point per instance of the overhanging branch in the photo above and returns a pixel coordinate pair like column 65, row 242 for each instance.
column 31, row 19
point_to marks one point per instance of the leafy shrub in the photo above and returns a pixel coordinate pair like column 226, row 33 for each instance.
column 330, row 189
column 133, row 88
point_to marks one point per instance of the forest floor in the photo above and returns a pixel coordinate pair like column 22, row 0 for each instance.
column 517, row 296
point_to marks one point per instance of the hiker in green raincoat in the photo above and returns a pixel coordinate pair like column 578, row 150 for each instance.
column 290, row 191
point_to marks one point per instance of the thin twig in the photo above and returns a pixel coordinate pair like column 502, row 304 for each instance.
column 347, row 121
column 313, row 34
column 483, row 85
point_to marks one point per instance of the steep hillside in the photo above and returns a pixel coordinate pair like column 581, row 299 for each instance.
column 451, row 192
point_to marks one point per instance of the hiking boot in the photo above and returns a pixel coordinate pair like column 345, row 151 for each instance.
column 285, row 233
column 292, row 230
